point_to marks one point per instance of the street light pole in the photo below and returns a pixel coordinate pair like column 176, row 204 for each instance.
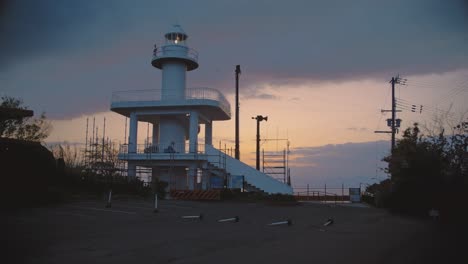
column 259, row 118
column 237, row 151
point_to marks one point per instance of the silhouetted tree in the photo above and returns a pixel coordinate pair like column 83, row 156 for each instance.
column 26, row 128
column 425, row 169
column 70, row 154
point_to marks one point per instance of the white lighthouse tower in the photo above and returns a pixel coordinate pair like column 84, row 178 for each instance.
column 177, row 113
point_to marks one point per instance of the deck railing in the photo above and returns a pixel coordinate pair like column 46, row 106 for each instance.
column 169, row 148
column 155, row 95
column 169, row 50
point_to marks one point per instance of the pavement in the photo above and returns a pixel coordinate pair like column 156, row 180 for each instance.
column 85, row 231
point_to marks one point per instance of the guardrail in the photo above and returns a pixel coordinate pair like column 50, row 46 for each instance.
column 196, row 93
column 320, row 196
column 169, row 50
column 251, row 175
column 173, row 147
column 327, row 194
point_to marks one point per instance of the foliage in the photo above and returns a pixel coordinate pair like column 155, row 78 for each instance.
column 27, row 128
column 92, row 173
column 103, row 159
column 424, row 169
column 378, row 193
column 70, row 155
column 159, row 187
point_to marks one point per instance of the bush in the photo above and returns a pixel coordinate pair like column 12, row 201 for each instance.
column 369, row 199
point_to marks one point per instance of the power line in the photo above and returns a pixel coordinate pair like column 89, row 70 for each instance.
column 382, row 113
column 450, row 94
column 423, row 107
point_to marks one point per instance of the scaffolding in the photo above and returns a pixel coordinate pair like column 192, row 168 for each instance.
column 100, row 153
column 276, row 163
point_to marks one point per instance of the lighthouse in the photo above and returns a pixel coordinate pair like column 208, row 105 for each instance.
column 174, row 59
column 175, row 153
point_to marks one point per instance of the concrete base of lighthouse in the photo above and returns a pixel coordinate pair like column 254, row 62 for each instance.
column 131, row 171
column 177, row 178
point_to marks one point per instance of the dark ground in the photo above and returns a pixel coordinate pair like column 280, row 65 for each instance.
column 85, row 231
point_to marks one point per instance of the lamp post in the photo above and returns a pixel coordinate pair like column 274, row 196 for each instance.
column 259, row 118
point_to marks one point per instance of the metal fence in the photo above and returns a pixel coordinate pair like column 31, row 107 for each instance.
column 325, row 193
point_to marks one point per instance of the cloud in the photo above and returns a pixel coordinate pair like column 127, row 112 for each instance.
column 260, row 96
column 358, row 129
column 333, row 165
column 76, row 48
column 260, row 92
column 35, row 29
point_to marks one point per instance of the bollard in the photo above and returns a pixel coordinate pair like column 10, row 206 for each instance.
column 155, row 203
column 109, row 199
column 434, row 213
column 200, row 217
column 328, row 222
column 287, row 222
column 233, row 219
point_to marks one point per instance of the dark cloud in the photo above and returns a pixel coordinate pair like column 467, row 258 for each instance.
column 279, row 43
column 32, row 29
column 348, row 163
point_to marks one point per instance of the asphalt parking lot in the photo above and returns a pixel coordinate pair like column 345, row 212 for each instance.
column 84, row 231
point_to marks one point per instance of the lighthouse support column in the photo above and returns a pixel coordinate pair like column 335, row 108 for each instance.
column 192, row 177
column 193, row 132
column 156, row 137
column 132, row 142
column 208, row 133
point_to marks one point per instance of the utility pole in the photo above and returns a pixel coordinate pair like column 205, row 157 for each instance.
column 237, row 151
column 259, row 118
column 393, row 81
column 393, row 123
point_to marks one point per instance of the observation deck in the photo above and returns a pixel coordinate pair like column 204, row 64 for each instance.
column 210, row 102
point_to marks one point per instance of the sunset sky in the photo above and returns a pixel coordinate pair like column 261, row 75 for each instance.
column 318, row 69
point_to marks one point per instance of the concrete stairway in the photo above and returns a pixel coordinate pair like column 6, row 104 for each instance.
column 253, row 177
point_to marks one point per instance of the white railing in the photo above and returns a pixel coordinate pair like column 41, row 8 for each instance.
column 170, row 50
column 155, row 95
column 177, row 148
column 251, row 175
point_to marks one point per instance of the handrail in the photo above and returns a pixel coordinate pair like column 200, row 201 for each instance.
column 169, row 50
column 174, row 148
column 252, row 176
